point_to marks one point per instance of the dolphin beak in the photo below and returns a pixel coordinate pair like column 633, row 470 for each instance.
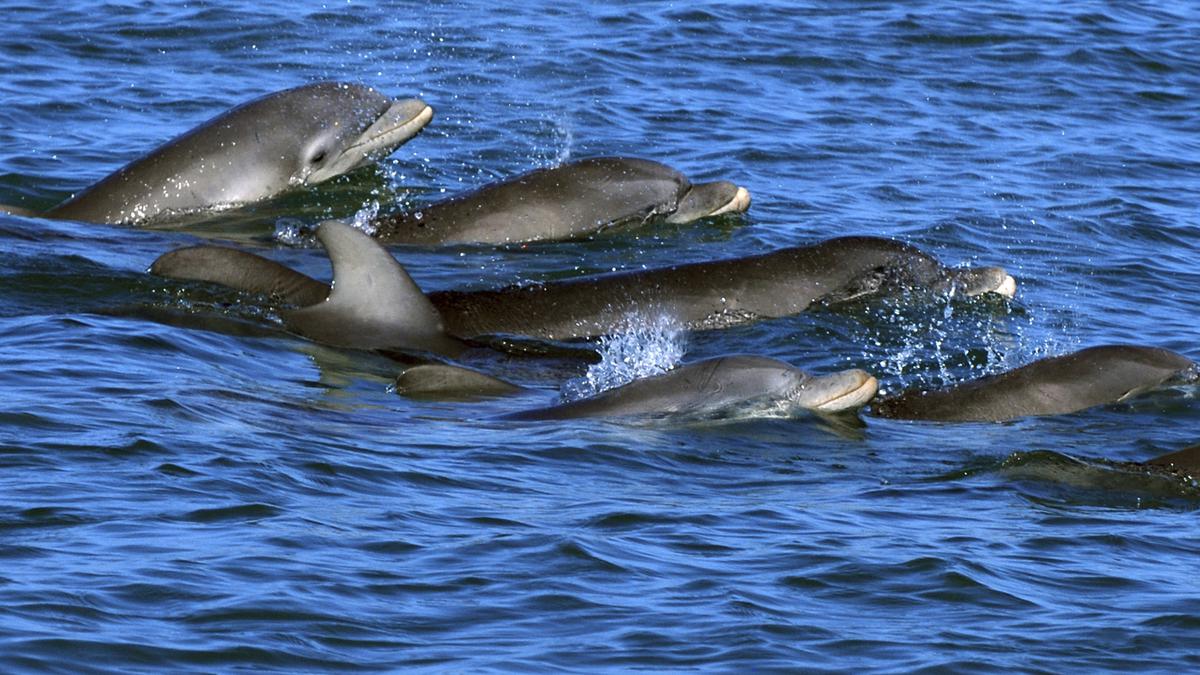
column 703, row 200
column 1008, row 287
column 739, row 204
column 401, row 121
column 976, row 281
column 861, row 388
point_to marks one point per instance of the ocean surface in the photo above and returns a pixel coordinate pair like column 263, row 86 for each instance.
column 185, row 488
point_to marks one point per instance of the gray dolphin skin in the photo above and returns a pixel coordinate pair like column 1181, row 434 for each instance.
column 1185, row 461
column 722, row 385
column 292, row 138
column 373, row 303
column 443, row 380
column 698, row 296
column 1052, row 386
column 711, row 294
column 564, row 202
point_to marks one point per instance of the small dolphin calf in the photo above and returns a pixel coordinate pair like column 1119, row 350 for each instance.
column 719, row 386
column 300, row 136
column 563, row 202
column 1052, row 386
column 375, row 304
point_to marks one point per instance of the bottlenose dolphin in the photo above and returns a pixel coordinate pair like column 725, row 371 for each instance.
column 562, row 202
column 373, row 298
column 1052, row 386
column 717, row 386
column 299, row 136
column 441, row 380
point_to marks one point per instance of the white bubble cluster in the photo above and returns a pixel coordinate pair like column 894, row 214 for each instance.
column 645, row 346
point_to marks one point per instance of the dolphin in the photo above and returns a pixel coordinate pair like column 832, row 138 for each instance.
column 373, row 295
column 1161, row 479
column 295, row 137
column 444, row 380
column 718, row 386
column 1052, row 386
column 564, row 202
column 1185, row 461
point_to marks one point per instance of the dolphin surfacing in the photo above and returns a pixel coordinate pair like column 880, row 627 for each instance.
column 296, row 137
column 699, row 296
column 564, row 202
column 719, row 386
column 447, row 381
column 712, row 294
column 1052, row 386
column 1186, row 461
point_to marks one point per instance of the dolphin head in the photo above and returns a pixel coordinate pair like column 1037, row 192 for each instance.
column 835, row 392
column 710, row 199
column 974, row 281
column 748, row 377
column 298, row 137
column 348, row 127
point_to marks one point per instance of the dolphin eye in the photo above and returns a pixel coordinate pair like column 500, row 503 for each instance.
column 317, row 157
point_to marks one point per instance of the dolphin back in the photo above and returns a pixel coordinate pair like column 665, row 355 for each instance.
column 1186, row 460
column 1051, row 386
column 241, row 271
column 556, row 203
column 446, row 381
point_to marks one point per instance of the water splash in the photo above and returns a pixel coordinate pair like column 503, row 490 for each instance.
column 559, row 146
column 363, row 219
column 645, row 346
column 934, row 342
column 292, row 232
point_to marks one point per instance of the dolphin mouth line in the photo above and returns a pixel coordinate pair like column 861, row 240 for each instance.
column 384, row 132
column 855, row 397
column 739, row 204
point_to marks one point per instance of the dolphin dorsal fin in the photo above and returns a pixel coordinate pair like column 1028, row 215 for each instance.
column 374, row 304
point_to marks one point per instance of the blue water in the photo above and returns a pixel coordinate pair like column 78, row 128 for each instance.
column 176, row 498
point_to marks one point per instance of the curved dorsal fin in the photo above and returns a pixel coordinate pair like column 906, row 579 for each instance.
column 374, row 304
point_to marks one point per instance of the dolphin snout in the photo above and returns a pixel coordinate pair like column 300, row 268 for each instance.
column 979, row 280
column 739, row 204
column 849, row 389
column 402, row 120
column 1008, row 287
